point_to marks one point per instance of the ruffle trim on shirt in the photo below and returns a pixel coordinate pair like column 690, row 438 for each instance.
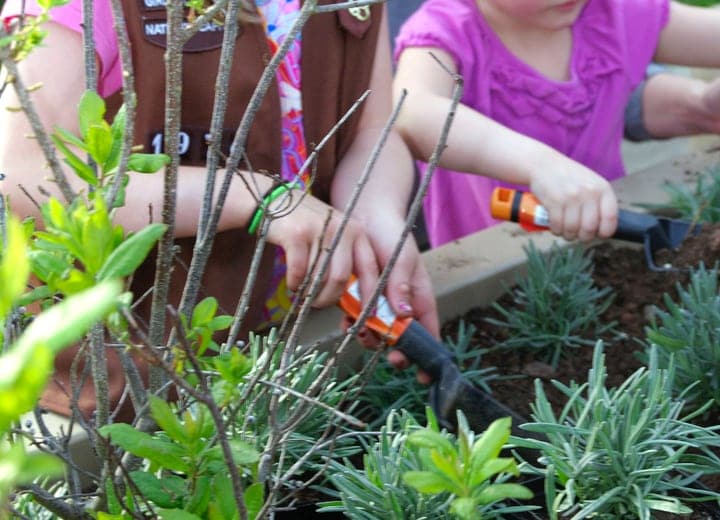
column 570, row 103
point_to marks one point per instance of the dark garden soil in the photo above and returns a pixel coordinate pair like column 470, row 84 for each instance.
column 637, row 289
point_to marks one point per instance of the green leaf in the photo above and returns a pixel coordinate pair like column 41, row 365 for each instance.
column 224, row 497
column 204, row 311
column 130, row 254
column 497, row 492
column 24, row 375
column 162, row 452
column 447, row 465
column 664, row 341
column 14, row 266
column 147, row 162
column 668, row 506
column 177, row 514
column 38, row 293
column 254, row 499
column 220, row 322
column 69, row 137
column 493, row 467
column 67, row 322
column 91, row 111
column 200, row 498
column 113, row 502
column 169, row 491
column 430, row 439
column 244, row 454
column 167, row 420
column 99, row 141
column 80, row 167
column 490, row 443
column 465, row 508
column 426, row 481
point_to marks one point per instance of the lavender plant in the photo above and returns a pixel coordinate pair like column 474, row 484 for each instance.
column 410, row 472
column 698, row 202
column 688, row 334
column 623, row 452
column 556, row 305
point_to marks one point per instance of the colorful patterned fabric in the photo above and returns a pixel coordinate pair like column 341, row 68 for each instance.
column 278, row 17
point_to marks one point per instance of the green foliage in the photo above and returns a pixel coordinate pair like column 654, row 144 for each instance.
column 391, row 389
column 621, row 452
column 103, row 143
column 80, row 245
column 31, row 34
column 253, row 419
column 377, row 490
column 184, row 470
column 186, row 475
column 413, row 473
column 556, row 305
column 688, row 334
column 28, row 362
column 466, row 468
column 699, row 202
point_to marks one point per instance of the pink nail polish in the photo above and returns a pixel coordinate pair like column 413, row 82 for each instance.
column 405, row 308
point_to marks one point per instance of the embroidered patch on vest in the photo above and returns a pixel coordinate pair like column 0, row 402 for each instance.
column 155, row 27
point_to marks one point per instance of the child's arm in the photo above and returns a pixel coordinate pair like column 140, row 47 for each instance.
column 678, row 105
column 581, row 204
column 691, row 37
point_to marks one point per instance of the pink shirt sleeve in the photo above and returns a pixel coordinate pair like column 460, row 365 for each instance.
column 70, row 16
column 642, row 22
column 439, row 24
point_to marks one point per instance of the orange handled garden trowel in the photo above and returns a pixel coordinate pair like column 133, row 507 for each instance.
column 450, row 391
column 655, row 233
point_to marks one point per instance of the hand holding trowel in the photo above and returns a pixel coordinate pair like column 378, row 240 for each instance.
column 655, row 233
column 450, row 391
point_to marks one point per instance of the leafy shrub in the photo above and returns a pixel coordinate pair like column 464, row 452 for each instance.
column 411, row 473
column 556, row 305
column 699, row 202
column 621, row 452
column 27, row 360
column 688, row 333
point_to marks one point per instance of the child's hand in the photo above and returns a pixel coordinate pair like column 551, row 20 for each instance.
column 307, row 232
column 581, row 204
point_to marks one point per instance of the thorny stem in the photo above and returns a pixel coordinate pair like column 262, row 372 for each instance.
column 66, row 510
column 89, row 45
column 98, row 362
column 173, row 97
column 222, row 83
column 129, row 99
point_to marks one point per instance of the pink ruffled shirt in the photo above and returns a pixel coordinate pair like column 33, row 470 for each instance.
column 613, row 43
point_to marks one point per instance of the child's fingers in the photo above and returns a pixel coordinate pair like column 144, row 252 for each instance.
column 571, row 221
column 608, row 214
column 589, row 221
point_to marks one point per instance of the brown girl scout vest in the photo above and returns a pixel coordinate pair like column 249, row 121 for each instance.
column 337, row 59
